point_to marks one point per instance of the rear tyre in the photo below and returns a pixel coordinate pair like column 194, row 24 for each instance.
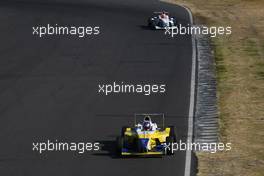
column 123, row 130
column 172, row 133
column 175, row 22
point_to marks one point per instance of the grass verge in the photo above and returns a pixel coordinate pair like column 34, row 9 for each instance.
column 240, row 89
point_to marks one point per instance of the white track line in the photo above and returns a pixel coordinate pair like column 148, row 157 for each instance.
column 188, row 157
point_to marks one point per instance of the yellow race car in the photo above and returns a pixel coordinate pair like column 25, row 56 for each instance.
column 146, row 138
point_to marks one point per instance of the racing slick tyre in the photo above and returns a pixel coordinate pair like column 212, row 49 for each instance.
column 172, row 133
column 151, row 25
column 169, row 142
column 139, row 147
column 123, row 130
column 152, row 22
column 175, row 22
column 120, row 144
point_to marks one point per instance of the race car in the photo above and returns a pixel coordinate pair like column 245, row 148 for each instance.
column 145, row 138
column 161, row 20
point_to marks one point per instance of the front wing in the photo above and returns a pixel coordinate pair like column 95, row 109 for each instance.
column 141, row 154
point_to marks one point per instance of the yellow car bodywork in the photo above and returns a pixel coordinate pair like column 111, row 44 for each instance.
column 155, row 138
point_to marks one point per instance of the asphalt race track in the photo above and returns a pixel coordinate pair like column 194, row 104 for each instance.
column 49, row 85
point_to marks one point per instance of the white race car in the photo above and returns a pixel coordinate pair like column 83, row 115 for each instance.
column 161, row 20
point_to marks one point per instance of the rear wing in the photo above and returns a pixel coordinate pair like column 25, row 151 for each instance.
column 158, row 118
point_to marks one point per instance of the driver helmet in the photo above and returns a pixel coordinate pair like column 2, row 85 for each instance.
column 163, row 14
column 146, row 126
column 147, row 119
